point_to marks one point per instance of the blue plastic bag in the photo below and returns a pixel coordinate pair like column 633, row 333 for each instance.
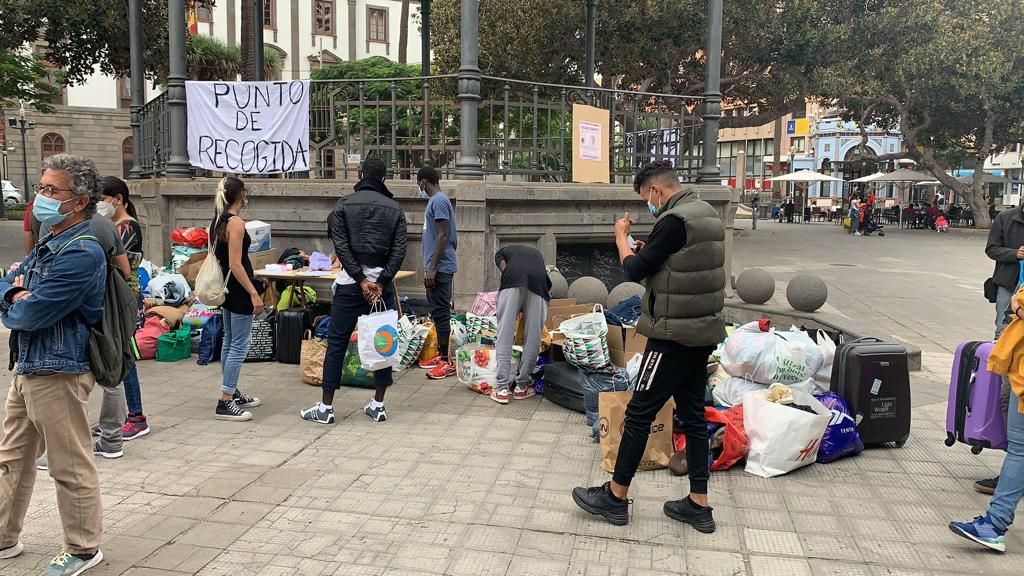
column 841, row 438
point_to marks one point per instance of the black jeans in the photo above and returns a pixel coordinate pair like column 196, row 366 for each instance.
column 346, row 308
column 669, row 370
column 440, row 299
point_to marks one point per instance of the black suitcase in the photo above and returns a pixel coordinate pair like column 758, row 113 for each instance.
column 291, row 327
column 874, row 379
column 563, row 385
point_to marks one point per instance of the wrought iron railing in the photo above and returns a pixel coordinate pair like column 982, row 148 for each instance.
column 524, row 129
column 155, row 146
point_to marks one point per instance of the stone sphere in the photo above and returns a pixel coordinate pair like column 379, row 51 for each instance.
column 624, row 292
column 559, row 285
column 589, row 290
column 755, row 286
column 806, row 293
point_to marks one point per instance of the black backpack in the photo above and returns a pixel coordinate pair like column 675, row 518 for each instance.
column 111, row 354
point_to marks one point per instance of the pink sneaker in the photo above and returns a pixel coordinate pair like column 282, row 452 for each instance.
column 135, row 427
column 432, row 363
column 524, row 394
column 443, row 370
column 500, row 396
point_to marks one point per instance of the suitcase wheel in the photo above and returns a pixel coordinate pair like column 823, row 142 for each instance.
column 901, row 443
column 950, row 440
column 976, row 450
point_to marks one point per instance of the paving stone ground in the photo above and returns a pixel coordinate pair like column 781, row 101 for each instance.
column 456, row 484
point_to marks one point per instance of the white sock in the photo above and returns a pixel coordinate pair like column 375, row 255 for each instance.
column 326, row 406
column 374, row 404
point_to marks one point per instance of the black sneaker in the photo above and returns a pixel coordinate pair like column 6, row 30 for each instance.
column 230, row 411
column 687, row 512
column 244, row 400
column 600, row 501
column 987, row 486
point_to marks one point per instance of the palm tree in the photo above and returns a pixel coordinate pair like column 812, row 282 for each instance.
column 248, row 39
column 211, row 59
column 403, row 34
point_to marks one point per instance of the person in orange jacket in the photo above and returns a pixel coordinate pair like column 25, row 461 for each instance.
column 1006, row 359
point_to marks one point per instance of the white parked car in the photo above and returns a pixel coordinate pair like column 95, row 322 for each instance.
column 12, row 194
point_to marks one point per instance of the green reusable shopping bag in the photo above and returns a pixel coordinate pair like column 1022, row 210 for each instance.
column 175, row 345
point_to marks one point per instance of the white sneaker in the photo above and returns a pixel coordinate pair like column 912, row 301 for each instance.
column 12, row 551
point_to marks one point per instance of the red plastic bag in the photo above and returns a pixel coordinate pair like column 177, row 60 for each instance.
column 734, row 445
column 193, row 237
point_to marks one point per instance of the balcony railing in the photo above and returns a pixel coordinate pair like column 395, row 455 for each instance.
column 524, row 129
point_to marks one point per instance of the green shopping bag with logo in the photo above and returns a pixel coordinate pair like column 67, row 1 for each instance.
column 175, row 345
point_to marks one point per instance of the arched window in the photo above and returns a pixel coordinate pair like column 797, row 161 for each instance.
column 52, row 143
column 127, row 157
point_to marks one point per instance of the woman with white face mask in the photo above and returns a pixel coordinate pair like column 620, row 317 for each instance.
column 115, row 204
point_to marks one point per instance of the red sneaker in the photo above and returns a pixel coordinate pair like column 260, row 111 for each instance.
column 135, row 427
column 432, row 363
column 444, row 370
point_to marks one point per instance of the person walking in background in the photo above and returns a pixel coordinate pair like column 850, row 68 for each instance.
column 243, row 300
column 57, row 290
column 990, row 530
column 1006, row 247
column 682, row 268
column 440, row 241
column 369, row 233
column 116, row 205
column 525, row 288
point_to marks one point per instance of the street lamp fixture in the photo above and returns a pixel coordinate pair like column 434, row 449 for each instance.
column 23, row 125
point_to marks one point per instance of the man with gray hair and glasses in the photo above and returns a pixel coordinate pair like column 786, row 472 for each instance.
column 49, row 303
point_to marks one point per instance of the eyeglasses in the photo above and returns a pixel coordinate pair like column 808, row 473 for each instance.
column 49, row 191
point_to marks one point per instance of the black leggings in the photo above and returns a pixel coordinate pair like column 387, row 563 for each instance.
column 669, row 370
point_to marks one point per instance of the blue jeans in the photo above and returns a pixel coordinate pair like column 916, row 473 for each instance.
column 132, row 392
column 854, row 221
column 237, row 334
column 1003, row 297
column 346, row 308
column 1011, row 478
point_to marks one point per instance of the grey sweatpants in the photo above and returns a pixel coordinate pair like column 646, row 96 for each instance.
column 512, row 301
column 113, row 411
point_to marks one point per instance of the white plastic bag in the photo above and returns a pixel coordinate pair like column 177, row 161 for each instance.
column 633, row 369
column 476, row 366
column 378, row 339
column 782, row 438
column 211, row 284
column 828, row 352
column 730, row 391
column 772, row 356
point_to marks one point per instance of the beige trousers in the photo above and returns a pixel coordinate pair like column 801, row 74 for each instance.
column 50, row 413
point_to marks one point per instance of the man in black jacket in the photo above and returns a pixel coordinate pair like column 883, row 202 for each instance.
column 1006, row 247
column 368, row 230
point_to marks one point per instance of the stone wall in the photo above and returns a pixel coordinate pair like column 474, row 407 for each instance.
column 489, row 215
column 96, row 133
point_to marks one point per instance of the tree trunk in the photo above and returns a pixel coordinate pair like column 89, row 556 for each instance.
column 403, row 34
column 247, row 42
column 777, row 159
column 977, row 199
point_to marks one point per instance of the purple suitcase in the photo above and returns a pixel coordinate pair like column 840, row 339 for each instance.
column 975, row 412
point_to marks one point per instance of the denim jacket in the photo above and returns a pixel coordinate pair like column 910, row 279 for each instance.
column 50, row 328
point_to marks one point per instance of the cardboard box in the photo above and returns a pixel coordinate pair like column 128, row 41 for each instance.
column 561, row 313
column 624, row 342
column 562, row 302
column 259, row 233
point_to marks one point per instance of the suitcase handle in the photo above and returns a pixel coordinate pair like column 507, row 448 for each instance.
column 867, row 339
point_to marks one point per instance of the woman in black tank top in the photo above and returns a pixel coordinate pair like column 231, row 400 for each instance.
column 244, row 298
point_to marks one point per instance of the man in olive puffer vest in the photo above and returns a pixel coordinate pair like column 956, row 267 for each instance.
column 682, row 268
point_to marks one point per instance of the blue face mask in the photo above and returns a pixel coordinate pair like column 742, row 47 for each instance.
column 423, row 193
column 652, row 208
column 47, row 210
